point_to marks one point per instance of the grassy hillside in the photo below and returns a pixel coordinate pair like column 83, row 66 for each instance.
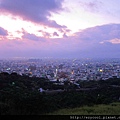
column 111, row 109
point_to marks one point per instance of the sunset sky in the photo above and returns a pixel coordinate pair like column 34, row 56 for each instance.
column 60, row 28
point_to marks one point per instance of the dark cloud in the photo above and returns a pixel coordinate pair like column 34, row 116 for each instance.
column 37, row 11
column 52, row 23
column 33, row 37
column 55, row 34
column 64, row 35
column 100, row 33
column 3, row 32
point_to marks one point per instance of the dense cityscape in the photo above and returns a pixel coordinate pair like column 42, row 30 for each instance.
column 64, row 69
column 43, row 86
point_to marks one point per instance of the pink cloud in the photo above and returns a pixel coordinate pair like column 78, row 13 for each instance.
column 115, row 41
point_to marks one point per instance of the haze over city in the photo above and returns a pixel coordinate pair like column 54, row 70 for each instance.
column 60, row 28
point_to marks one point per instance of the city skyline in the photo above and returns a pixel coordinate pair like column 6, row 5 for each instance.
column 60, row 28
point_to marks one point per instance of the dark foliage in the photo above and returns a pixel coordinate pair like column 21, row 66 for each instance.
column 19, row 95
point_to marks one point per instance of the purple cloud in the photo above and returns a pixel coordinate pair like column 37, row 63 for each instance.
column 83, row 44
column 55, row 34
column 91, row 39
column 100, row 33
column 33, row 37
column 45, row 34
column 64, row 35
column 37, row 11
column 3, row 32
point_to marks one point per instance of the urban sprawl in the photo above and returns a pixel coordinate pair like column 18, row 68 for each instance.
column 64, row 69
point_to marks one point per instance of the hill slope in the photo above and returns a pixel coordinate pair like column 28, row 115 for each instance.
column 111, row 109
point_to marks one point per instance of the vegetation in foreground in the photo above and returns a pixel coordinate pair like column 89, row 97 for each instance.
column 111, row 109
column 19, row 95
